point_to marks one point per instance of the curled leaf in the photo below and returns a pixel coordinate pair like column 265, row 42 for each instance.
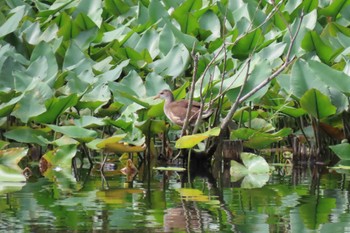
column 111, row 140
column 189, row 141
column 124, row 148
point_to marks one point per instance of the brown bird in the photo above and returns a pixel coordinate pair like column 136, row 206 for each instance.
column 176, row 110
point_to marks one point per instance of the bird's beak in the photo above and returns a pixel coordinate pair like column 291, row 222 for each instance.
column 156, row 97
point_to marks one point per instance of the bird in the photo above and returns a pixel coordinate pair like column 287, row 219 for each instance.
column 176, row 110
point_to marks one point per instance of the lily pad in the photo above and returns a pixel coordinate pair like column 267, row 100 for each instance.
column 175, row 169
column 254, row 170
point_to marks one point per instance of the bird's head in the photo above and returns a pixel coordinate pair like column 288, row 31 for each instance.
column 165, row 94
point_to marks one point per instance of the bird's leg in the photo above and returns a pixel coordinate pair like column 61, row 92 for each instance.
column 178, row 154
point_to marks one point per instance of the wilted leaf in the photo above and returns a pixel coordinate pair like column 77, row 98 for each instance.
column 61, row 156
column 113, row 139
column 124, row 148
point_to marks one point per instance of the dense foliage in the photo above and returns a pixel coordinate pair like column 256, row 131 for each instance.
column 77, row 71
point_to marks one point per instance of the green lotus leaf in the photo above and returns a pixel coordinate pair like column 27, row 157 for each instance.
column 75, row 132
column 28, row 135
column 342, row 150
column 317, row 104
column 13, row 21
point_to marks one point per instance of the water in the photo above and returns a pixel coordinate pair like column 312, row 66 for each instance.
column 293, row 200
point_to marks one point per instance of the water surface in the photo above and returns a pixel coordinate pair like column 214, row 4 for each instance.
column 299, row 199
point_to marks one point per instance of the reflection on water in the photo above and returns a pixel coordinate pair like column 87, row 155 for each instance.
column 298, row 199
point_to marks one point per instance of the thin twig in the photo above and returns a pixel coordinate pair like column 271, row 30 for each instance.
column 236, row 103
column 195, row 67
column 250, row 30
column 287, row 62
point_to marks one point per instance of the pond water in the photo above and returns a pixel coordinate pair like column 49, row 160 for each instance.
column 294, row 199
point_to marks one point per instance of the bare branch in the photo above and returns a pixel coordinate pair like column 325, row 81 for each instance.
column 236, row 103
column 250, row 29
column 195, row 68
column 287, row 62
